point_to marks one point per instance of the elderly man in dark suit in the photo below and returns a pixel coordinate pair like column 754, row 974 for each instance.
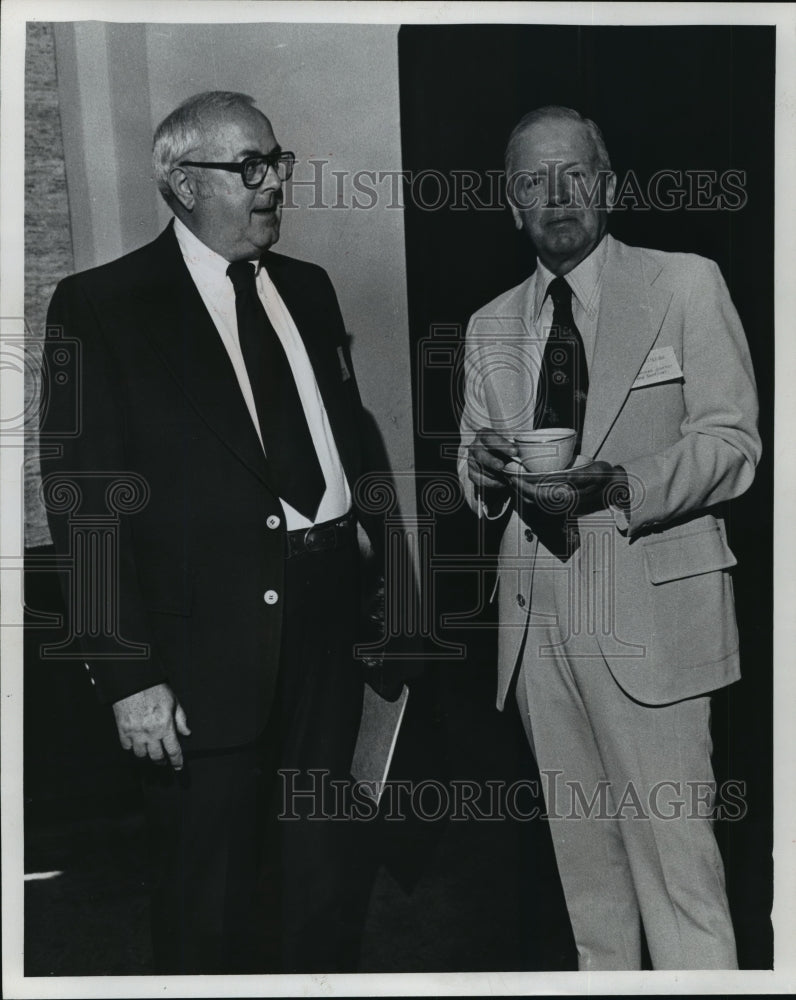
column 217, row 374
column 616, row 604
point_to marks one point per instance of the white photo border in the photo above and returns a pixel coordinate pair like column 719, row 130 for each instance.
column 15, row 14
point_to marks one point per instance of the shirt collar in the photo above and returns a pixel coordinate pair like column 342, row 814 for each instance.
column 199, row 255
column 584, row 280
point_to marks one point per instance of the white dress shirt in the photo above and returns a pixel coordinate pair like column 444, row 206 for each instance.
column 585, row 280
column 209, row 272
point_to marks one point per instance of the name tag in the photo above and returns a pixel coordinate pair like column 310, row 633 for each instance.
column 344, row 372
column 660, row 366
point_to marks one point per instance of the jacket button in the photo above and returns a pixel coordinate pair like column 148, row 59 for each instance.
column 528, row 535
column 270, row 597
column 273, row 521
column 520, row 600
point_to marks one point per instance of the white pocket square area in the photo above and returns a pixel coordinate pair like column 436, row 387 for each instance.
column 661, row 365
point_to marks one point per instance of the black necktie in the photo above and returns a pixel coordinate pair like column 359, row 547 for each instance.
column 564, row 378
column 283, row 424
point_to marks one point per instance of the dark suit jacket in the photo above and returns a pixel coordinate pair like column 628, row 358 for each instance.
column 186, row 574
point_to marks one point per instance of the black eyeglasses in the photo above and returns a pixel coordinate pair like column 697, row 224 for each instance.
column 254, row 168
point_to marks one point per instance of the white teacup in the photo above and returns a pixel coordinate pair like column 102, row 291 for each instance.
column 546, row 450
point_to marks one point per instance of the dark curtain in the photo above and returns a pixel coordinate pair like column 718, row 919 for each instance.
column 695, row 100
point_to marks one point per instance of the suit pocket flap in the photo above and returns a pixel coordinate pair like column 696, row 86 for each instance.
column 703, row 551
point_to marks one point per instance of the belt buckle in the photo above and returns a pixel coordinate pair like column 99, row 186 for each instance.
column 315, row 540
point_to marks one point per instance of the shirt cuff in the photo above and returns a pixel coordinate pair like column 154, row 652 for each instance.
column 620, row 513
column 621, row 519
column 483, row 508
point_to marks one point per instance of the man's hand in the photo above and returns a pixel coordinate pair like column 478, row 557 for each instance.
column 489, row 454
column 148, row 722
column 581, row 491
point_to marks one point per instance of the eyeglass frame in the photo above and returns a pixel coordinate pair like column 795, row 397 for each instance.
column 271, row 160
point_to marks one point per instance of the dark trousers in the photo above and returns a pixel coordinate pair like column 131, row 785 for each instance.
column 238, row 884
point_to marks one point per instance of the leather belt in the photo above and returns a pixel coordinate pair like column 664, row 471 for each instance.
column 321, row 537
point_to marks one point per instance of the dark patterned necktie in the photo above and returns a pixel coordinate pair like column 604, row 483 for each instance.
column 564, row 378
column 288, row 445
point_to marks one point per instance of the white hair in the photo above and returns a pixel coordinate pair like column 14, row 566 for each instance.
column 183, row 129
column 556, row 112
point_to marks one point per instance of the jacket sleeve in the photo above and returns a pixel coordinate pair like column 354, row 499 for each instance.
column 389, row 657
column 91, row 496
column 467, row 424
column 473, row 418
column 715, row 457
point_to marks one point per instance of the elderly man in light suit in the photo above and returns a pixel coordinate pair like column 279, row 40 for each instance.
column 616, row 603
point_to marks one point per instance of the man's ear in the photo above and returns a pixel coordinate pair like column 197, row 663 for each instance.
column 511, row 183
column 515, row 214
column 610, row 191
column 183, row 188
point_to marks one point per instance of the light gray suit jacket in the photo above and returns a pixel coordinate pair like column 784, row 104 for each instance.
column 660, row 575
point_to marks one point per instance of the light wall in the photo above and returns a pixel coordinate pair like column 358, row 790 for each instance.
column 48, row 243
column 331, row 92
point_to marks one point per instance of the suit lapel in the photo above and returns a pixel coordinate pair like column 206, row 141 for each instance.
column 315, row 325
column 505, row 356
column 631, row 313
column 180, row 330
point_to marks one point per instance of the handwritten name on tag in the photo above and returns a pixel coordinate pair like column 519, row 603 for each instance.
column 660, row 366
column 344, row 372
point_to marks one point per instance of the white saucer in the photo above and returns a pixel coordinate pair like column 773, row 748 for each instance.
column 560, row 475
